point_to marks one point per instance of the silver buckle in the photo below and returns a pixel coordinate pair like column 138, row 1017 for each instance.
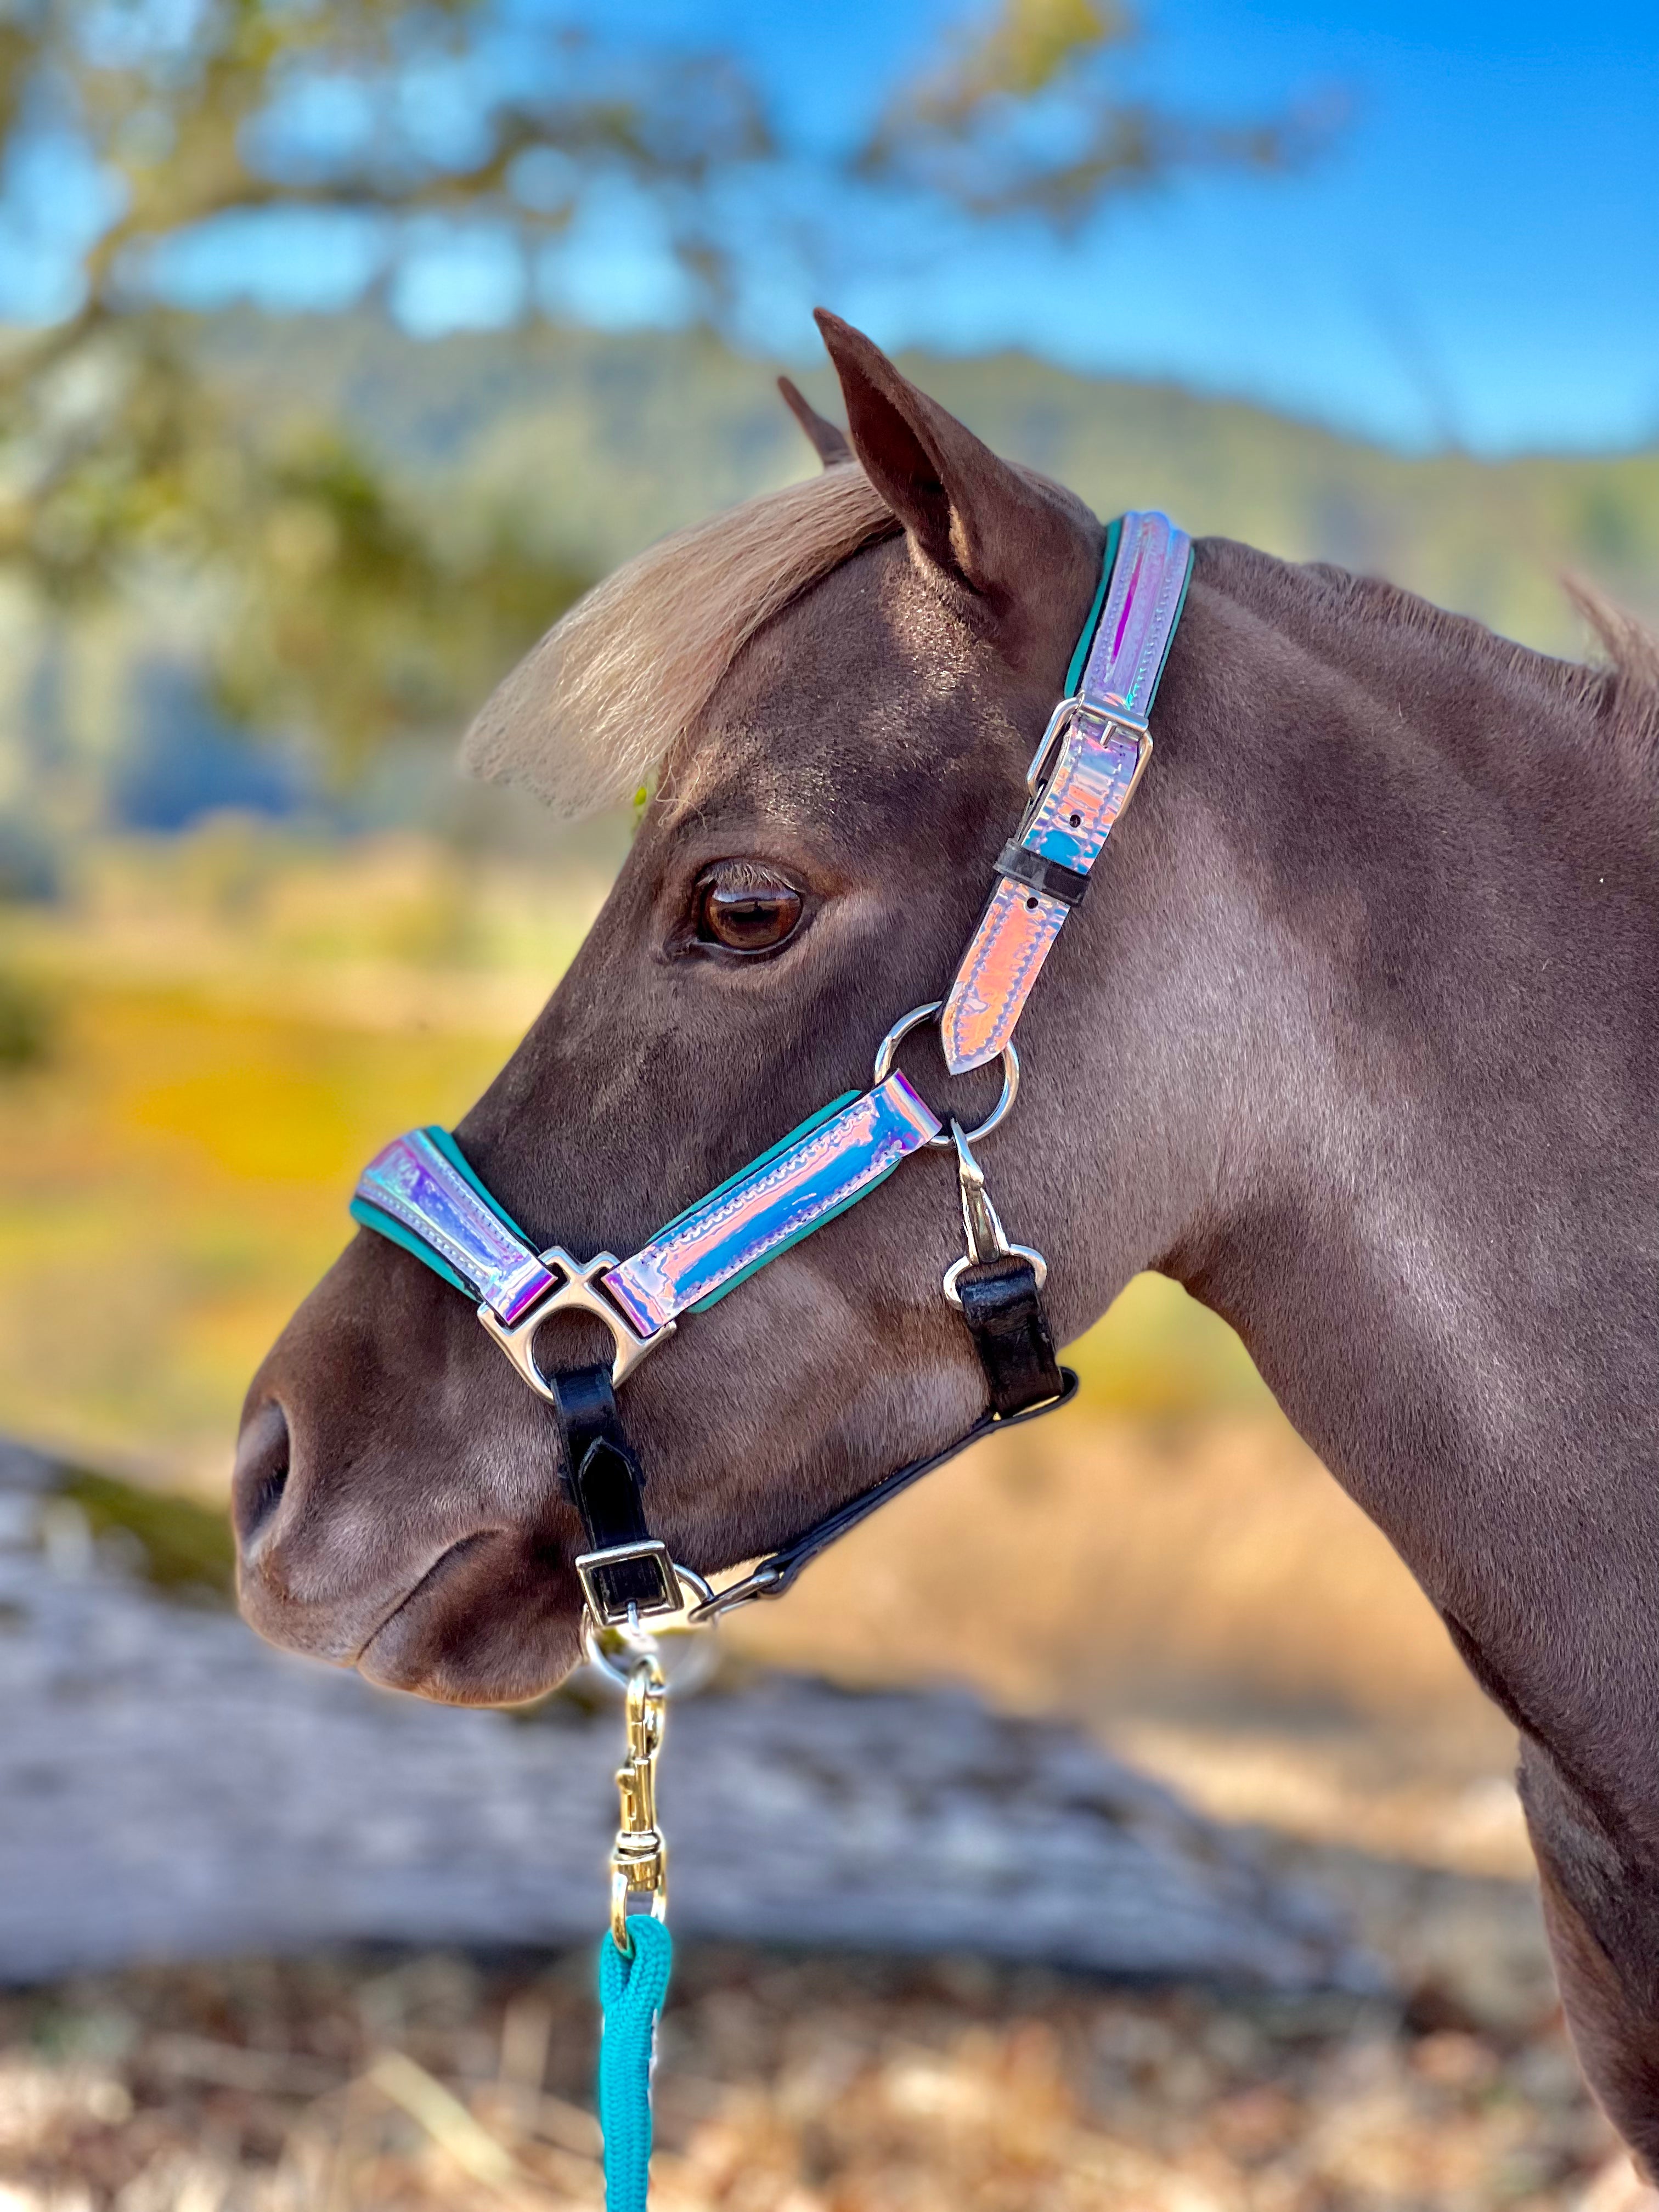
column 1079, row 709
column 679, row 1590
column 580, row 1293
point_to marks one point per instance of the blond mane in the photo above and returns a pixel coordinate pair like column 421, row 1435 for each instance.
column 591, row 711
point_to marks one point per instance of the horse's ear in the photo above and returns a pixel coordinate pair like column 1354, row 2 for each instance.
column 981, row 524
column 829, row 442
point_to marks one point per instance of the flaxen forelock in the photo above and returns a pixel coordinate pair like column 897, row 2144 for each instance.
column 591, row 711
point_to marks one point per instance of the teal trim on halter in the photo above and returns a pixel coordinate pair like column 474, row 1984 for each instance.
column 365, row 1211
column 807, row 1229
column 376, row 1218
column 631, row 1992
column 1107, row 563
column 452, row 1152
column 1181, row 609
column 741, row 1174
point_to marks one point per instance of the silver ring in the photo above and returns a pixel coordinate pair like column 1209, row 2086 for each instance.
column 659, row 1637
column 895, row 1037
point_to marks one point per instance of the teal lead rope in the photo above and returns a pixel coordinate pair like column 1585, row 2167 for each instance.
column 637, row 1950
column 631, row 1993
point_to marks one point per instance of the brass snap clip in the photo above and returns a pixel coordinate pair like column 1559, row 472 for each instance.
column 639, row 1859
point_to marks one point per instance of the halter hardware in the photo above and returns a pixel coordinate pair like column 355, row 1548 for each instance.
column 1078, row 709
column 422, row 1192
column 612, row 1649
column 681, row 1595
column 887, row 1050
column 981, row 1225
column 645, row 1569
column 579, row 1292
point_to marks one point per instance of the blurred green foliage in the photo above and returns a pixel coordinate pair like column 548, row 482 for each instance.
column 26, row 1024
column 364, row 620
column 960, row 128
column 330, row 605
column 334, row 606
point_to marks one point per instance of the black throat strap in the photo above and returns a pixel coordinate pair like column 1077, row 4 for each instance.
column 1002, row 1307
column 1004, row 1311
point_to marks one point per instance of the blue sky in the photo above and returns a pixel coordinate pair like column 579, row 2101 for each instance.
column 1475, row 260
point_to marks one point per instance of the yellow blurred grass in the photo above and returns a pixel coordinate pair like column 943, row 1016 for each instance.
column 241, row 1018
column 1198, row 1592
column 169, row 1187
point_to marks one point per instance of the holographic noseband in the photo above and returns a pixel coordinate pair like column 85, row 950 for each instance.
column 420, row 1193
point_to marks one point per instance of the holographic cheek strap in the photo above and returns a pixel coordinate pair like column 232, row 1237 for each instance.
column 1092, row 758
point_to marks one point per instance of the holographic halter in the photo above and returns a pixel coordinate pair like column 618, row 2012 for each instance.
column 420, row 1193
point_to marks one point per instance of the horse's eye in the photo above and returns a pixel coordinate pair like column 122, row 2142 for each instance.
column 741, row 918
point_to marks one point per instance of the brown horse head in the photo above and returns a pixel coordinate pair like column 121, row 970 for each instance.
column 840, row 686
column 843, row 684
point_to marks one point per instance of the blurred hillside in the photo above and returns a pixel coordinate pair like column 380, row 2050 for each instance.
column 606, row 441
column 586, row 446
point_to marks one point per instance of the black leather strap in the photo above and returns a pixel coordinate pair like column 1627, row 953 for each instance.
column 1003, row 1308
column 1051, row 877
column 778, row 1571
column 607, row 1484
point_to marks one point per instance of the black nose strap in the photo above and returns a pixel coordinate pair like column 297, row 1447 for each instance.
column 624, row 1567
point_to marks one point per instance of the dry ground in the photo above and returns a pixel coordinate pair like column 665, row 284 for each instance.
column 1198, row 1637
column 816, row 2086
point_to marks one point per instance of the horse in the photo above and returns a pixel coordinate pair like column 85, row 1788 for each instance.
column 1357, row 1039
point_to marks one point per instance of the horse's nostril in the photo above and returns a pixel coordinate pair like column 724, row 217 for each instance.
column 262, row 1465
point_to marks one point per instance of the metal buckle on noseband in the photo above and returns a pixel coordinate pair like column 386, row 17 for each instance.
column 579, row 1292
column 680, row 1591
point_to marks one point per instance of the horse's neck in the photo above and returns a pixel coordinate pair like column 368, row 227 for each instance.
column 1435, row 1211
